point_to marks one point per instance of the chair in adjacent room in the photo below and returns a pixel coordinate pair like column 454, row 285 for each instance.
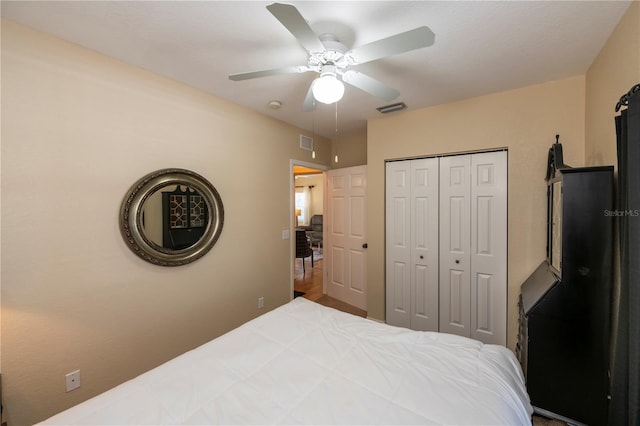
column 303, row 247
column 314, row 230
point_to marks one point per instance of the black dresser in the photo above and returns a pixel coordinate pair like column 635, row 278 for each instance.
column 565, row 305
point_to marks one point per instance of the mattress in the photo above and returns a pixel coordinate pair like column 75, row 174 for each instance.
column 304, row 363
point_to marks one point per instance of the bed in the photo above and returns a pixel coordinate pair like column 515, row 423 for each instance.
column 304, row 363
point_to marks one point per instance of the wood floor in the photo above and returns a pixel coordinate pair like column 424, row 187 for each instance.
column 310, row 282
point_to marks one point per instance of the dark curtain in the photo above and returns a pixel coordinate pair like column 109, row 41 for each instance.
column 625, row 386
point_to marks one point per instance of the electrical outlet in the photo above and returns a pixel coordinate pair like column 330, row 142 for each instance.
column 260, row 302
column 73, row 380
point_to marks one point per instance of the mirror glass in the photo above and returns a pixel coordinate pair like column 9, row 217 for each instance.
column 171, row 217
column 174, row 217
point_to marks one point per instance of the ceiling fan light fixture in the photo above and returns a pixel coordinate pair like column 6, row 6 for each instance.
column 329, row 57
column 327, row 88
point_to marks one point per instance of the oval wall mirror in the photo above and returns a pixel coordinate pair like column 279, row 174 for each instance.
column 171, row 217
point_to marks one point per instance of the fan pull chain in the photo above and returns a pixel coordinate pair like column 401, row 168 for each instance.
column 313, row 128
column 335, row 159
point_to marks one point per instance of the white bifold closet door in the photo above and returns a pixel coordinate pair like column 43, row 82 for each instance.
column 446, row 241
column 473, row 246
column 455, row 244
column 412, row 243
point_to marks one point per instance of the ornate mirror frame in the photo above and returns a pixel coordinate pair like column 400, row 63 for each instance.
column 131, row 220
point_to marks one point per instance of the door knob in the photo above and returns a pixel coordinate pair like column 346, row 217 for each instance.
column 457, row 260
column 365, row 245
column 421, row 257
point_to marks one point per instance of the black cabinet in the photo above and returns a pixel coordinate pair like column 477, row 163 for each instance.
column 565, row 305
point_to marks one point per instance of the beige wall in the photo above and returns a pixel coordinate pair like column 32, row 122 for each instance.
column 351, row 150
column 525, row 121
column 78, row 129
column 612, row 74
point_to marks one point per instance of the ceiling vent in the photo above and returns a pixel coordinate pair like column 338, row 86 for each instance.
column 391, row 108
column 306, row 143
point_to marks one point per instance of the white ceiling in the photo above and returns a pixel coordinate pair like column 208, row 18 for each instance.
column 480, row 46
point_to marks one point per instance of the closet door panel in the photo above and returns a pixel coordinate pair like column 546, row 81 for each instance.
column 337, row 230
column 483, row 321
column 455, row 291
column 457, row 319
column 398, row 243
column 357, row 231
column 424, row 243
column 489, row 247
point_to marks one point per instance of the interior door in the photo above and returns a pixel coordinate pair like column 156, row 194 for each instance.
column 473, row 246
column 412, row 243
column 455, row 244
column 489, row 247
column 398, row 243
column 424, row 243
column 446, row 245
column 345, row 225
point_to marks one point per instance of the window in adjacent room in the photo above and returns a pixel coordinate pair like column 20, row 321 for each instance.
column 302, row 201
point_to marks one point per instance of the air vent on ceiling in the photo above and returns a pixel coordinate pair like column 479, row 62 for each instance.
column 306, row 143
column 391, row 108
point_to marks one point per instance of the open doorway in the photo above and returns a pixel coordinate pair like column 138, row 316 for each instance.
column 314, row 280
column 308, row 207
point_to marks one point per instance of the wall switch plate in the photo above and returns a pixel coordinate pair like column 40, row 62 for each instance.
column 260, row 302
column 73, row 380
column 285, row 234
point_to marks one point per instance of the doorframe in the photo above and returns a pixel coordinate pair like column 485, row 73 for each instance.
column 292, row 223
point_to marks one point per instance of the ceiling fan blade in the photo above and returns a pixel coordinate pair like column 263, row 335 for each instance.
column 399, row 43
column 289, row 16
column 264, row 73
column 309, row 103
column 370, row 85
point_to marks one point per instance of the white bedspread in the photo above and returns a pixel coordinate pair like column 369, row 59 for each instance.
column 304, row 363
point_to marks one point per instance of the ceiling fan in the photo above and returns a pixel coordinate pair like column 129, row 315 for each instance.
column 331, row 59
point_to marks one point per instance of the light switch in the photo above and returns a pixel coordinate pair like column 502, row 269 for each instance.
column 285, row 234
